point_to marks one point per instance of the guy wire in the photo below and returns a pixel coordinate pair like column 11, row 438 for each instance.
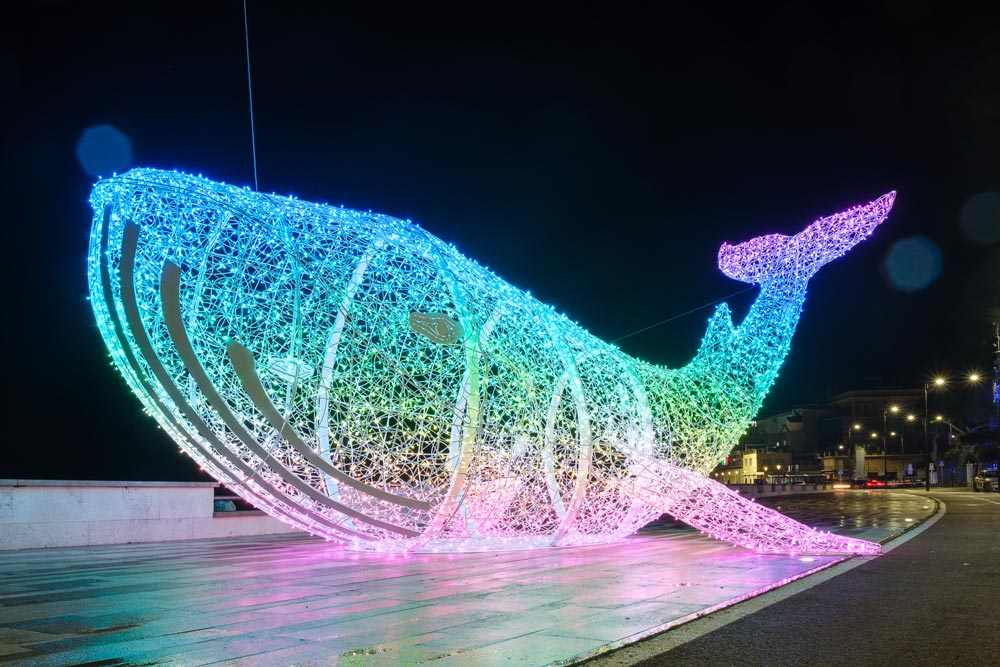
column 253, row 139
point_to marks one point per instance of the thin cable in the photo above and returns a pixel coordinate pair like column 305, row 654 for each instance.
column 688, row 312
column 253, row 138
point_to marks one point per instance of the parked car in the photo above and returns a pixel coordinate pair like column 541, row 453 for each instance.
column 986, row 480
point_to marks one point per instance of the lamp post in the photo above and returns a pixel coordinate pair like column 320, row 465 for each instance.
column 885, row 464
column 996, row 379
column 910, row 418
column 885, row 440
column 927, row 454
column 938, row 381
column 874, row 437
column 850, row 448
column 850, row 433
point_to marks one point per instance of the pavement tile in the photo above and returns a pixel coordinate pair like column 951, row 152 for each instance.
column 633, row 620
column 524, row 651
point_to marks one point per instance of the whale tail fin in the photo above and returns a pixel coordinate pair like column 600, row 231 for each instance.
column 779, row 256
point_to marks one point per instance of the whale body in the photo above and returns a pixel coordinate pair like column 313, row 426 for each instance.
column 353, row 375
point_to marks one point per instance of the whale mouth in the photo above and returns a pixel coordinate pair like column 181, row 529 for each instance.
column 777, row 256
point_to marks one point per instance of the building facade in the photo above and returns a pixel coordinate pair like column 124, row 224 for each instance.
column 855, row 435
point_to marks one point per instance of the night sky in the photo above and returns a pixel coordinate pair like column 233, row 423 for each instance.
column 597, row 158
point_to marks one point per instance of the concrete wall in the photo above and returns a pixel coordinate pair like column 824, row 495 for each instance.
column 60, row 513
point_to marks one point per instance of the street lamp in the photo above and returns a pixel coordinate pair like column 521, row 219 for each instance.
column 850, row 446
column 885, row 445
column 938, row 381
column 972, row 378
column 874, row 437
column 996, row 381
column 850, row 433
column 910, row 418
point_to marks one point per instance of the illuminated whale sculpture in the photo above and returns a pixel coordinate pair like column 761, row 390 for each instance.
column 353, row 375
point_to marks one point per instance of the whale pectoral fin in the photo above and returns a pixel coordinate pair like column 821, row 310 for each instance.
column 778, row 256
column 722, row 513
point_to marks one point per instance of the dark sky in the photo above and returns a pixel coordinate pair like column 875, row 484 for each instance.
column 597, row 158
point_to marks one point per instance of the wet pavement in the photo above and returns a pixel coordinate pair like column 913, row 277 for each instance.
column 296, row 600
column 875, row 515
column 930, row 600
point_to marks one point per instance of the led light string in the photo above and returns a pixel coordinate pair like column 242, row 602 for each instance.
column 355, row 376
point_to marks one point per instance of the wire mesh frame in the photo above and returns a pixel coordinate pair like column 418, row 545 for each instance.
column 355, row 376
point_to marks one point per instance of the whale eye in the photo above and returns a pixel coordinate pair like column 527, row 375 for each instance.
column 437, row 326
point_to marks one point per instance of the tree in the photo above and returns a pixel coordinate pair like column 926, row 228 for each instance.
column 952, row 456
column 987, row 453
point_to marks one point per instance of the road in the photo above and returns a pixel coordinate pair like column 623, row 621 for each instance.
column 932, row 599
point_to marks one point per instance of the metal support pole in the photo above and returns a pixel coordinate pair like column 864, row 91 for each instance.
column 927, row 452
column 996, row 384
column 885, row 444
column 850, row 449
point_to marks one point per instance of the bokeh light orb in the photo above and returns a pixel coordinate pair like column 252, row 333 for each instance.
column 912, row 264
column 979, row 218
column 103, row 150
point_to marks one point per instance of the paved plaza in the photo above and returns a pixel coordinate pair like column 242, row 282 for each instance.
column 297, row 600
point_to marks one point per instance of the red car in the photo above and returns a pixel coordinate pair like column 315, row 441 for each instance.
column 875, row 483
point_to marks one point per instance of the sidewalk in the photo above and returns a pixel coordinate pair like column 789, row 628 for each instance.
column 297, row 600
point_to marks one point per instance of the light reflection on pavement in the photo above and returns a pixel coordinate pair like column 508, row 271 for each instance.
column 875, row 515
